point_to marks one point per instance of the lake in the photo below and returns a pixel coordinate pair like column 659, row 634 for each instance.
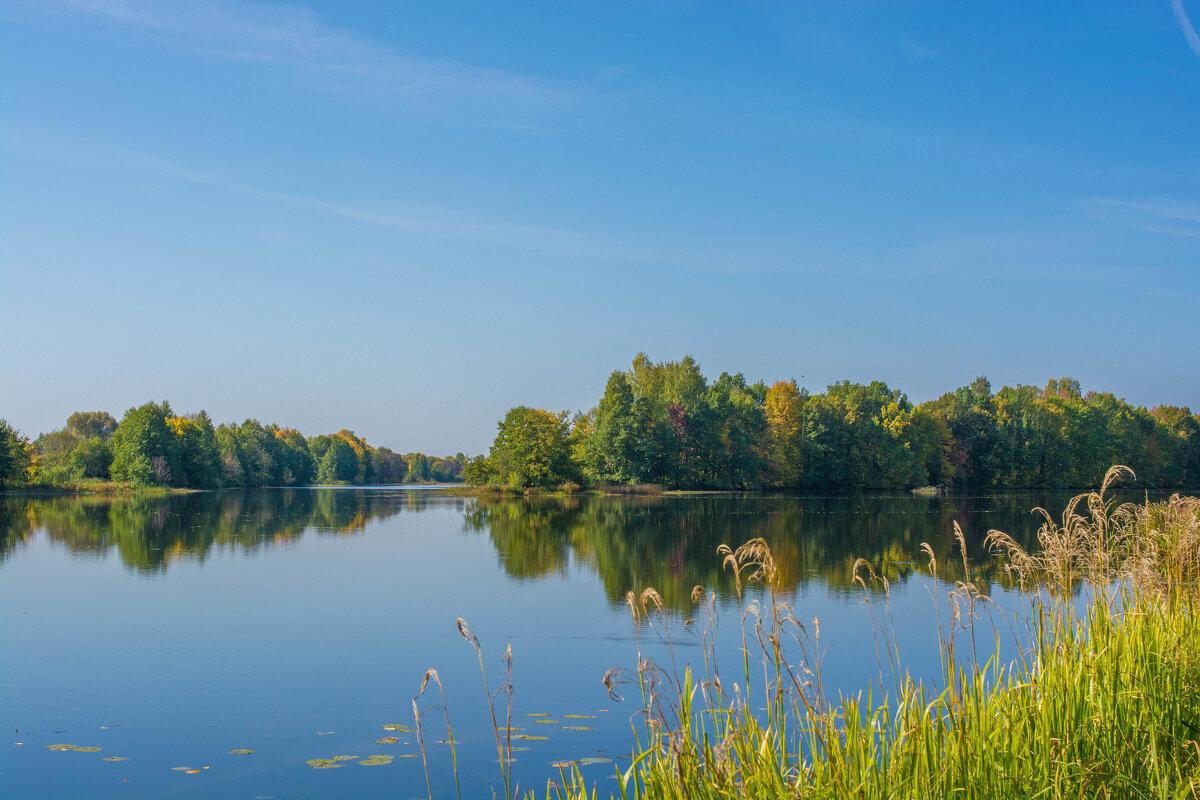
column 170, row 630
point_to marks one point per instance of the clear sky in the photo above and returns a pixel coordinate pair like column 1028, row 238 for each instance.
column 404, row 219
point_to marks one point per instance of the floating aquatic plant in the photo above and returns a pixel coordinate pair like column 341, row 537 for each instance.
column 114, row 758
column 74, row 747
column 387, row 740
column 375, row 761
column 241, row 752
column 329, row 763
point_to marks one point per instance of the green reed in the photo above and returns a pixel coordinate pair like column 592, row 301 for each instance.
column 1104, row 700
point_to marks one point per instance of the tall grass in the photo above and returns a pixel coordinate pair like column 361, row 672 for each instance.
column 1102, row 702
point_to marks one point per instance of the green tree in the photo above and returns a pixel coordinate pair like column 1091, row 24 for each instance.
column 199, row 453
column 299, row 466
column 477, row 471
column 15, row 457
column 417, row 468
column 92, row 424
column 390, row 467
column 610, row 449
column 733, row 453
column 1174, row 447
column 532, row 448
column 54, row 455
column 144, row 447
column 339, row 465
column 91, row 459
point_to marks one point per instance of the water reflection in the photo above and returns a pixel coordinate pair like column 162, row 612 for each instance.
column 149, row 532
column 668, row 542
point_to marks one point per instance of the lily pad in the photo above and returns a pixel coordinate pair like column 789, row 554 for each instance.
column 345, row 758
column 114, row 758
column 323, row 763
column 408, row 755
column 182, row 769
column 577, row 728
column 387, row 740
column 537, row 715
column 579, row 716
column 75, row 747
column 528, row 738
column 375, row 761
column 546, row 721
column 510, row 728
column 594, row 760
column 241, row 752
column 396, row 726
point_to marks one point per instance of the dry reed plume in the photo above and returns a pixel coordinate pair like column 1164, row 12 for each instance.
column 1049, row 721
column 1097, row 546
column 1104, row 701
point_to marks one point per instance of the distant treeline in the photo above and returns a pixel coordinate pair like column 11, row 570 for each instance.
column 153, row 446
column 666, row 424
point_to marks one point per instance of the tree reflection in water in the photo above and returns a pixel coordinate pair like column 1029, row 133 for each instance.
column 668, row 542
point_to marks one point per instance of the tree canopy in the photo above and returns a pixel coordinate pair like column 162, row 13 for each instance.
column 665, row 423
column 532, row 448
column 154, row 446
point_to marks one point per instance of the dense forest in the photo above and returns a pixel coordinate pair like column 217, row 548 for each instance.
column 666, row 424
column 153, row 446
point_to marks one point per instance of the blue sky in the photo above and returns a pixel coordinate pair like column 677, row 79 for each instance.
column 406, row 218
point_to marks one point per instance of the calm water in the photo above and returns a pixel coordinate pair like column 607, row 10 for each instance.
column 296, row 623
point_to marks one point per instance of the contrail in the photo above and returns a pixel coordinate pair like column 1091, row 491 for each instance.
column 1189, row 32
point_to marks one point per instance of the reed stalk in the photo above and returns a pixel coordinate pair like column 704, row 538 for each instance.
column 1102, row 701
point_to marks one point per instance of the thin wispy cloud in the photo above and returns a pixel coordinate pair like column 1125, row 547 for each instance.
column 1189, row 32
column 1009, row 255
column 1150, row 214
column 719, row 254
column 297, row 38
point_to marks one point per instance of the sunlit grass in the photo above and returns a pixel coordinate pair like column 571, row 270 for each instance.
column 1103, row 700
